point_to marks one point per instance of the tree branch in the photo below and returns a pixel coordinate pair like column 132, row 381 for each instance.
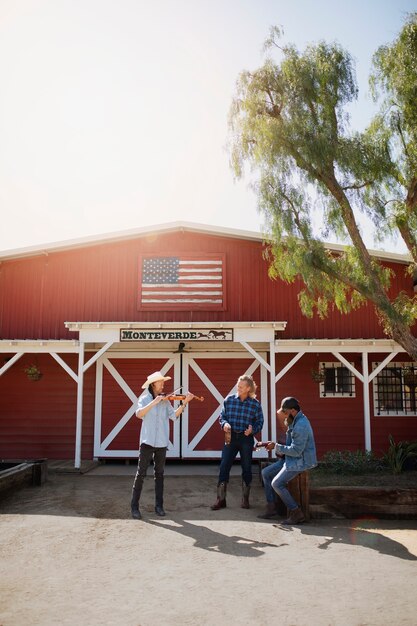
column 365, row 184
column 411, row 200
column 402, row 136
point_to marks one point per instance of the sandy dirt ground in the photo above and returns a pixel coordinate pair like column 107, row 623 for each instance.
column 71, row 554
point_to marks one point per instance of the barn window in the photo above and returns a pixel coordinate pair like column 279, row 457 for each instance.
column 395, row 389
column 338, row 381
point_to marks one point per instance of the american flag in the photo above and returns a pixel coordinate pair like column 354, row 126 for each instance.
column 182, row 281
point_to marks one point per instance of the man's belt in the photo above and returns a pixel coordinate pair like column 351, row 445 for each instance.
column 228, row 435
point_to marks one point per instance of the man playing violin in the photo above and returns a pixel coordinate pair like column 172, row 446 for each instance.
column 155, row 410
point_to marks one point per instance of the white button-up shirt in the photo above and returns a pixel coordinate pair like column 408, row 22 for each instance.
column 155, row 424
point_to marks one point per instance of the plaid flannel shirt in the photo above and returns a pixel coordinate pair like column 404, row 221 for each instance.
column 240, row 414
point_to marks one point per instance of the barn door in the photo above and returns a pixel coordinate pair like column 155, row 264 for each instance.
column 214, row 376
column 119, row 377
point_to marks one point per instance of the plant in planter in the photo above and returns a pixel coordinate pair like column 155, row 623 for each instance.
column 398, row 453
column 33, row 372
column 351, row 462
column 318, row 375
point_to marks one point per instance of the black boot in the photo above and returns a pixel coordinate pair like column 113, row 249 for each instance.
column 136, row 491
column 159, row 496
column 134, row 504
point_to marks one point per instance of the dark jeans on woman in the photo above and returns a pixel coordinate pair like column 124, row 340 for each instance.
column 244, row 445
column 146, row 453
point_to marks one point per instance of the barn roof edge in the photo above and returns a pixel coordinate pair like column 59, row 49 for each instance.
column 185, row 226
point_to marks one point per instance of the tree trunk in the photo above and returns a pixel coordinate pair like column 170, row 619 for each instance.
column 402, row 335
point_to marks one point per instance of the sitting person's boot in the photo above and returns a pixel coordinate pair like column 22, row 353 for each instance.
column 296, row 516
column 271, row 511
column 245, row 496
column 221, row 497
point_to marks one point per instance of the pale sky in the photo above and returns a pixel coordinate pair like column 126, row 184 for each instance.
column 113, row 114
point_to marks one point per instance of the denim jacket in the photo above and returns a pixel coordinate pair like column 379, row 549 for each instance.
column 300, row 449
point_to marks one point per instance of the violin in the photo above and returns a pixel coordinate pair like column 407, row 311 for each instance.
column 180, row 396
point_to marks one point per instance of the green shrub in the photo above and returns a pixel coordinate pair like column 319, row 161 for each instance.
column 347, row 462
column 398, row 453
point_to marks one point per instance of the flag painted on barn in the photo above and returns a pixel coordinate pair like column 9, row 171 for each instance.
column 182, row 282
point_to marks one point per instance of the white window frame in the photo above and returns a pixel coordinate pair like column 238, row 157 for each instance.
column 392, row 412
column 335, row 365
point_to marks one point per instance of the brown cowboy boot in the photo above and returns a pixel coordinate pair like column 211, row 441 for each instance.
column 245, row 496
column 221, row 497
column 271, row 511
column 295, row 517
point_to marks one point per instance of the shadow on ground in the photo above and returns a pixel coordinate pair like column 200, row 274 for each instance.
column 187, row 500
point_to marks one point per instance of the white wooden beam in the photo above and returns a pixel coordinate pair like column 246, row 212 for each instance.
column 273, row 392
column 79, row 419
column 366, row 405
column 289, row 365
column 349, row 366
column 97, row 355
column 256, row 355
column 381, row 366
column 10, row 362
column 65, row 366
column 98, row 405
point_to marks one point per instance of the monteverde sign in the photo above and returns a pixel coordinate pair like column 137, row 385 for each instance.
column 196, row 334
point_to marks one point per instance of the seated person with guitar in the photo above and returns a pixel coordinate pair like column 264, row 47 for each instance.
column 299, row 455
column 270, row 471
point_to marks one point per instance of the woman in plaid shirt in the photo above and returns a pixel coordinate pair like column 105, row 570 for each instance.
column 240, row 419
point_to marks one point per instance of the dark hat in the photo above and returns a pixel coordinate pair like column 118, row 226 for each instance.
column 290, row 403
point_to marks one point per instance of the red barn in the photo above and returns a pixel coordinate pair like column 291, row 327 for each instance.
column 91, row 318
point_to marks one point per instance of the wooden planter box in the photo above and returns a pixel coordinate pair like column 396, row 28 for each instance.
column 379, row 502
column 16, row 474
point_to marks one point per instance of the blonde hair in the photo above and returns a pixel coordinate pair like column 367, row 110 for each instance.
column 249, row 381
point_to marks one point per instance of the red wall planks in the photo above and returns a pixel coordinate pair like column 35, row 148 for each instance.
column 99, row 283
column 37, row 419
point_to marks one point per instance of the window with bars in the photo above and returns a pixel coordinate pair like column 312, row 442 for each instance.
column 337, row 381
column 395, row 389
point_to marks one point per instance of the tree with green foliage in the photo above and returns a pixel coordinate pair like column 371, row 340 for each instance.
column 289, row 121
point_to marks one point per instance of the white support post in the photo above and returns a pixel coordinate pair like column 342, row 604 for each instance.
column 264, row 403
column 79, row 423
column 273, row 402
column 98, row 407
column 366, row 406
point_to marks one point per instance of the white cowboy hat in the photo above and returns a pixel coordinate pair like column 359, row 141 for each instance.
column 153, row 378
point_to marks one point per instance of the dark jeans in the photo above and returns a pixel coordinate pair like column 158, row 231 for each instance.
column 146, row 453
column 244, row 445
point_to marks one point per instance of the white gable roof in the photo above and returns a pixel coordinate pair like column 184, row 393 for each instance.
column 184, row 226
